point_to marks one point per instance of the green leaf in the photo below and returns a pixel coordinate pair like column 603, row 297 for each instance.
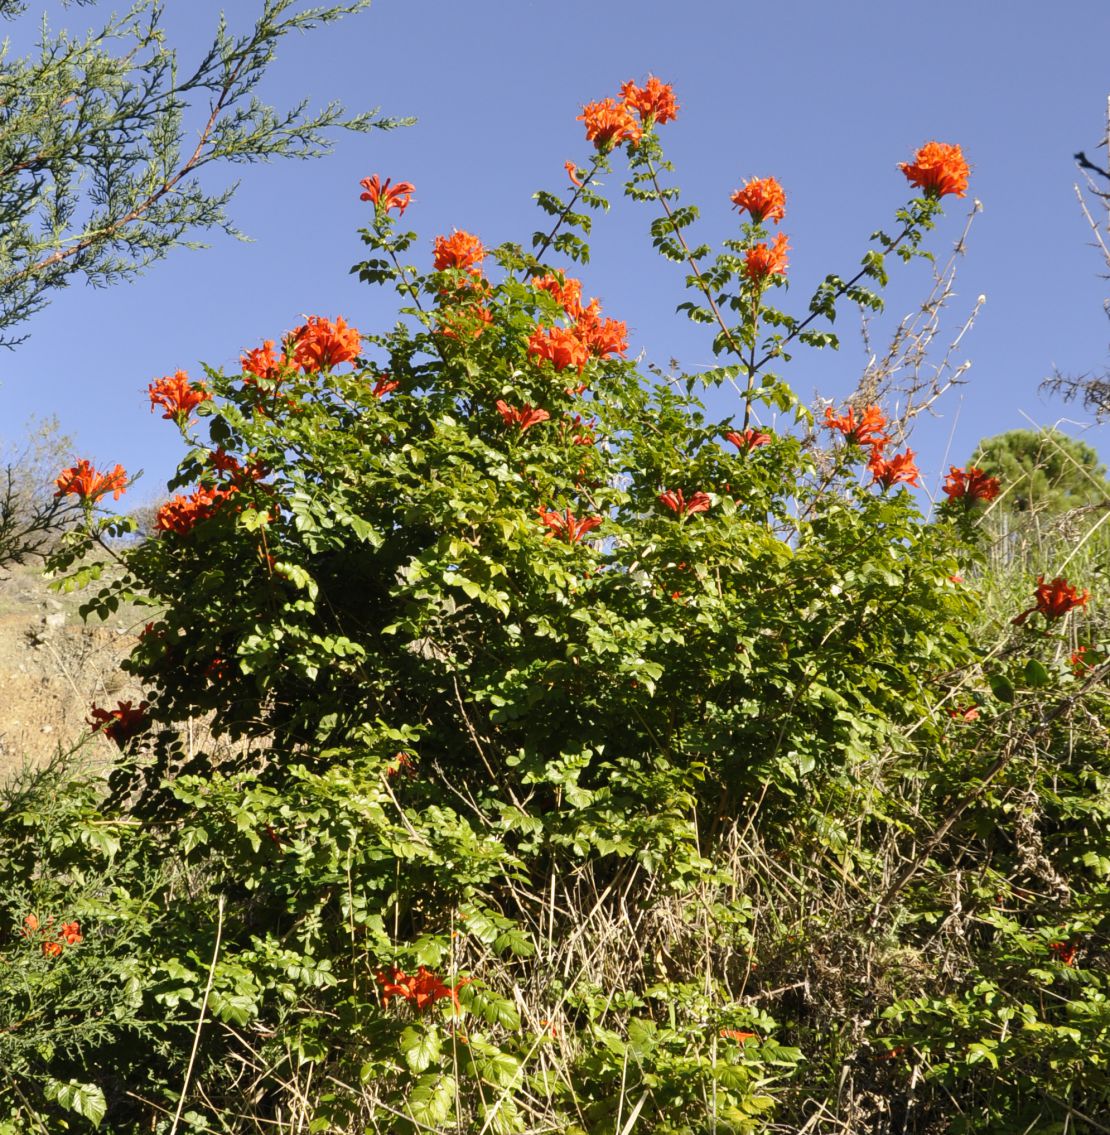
column 420, row 1047
column 1035, row 674
column 86, row 1100
column 1001, row 687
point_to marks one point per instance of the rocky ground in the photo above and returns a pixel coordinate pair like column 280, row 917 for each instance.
column 54, row 666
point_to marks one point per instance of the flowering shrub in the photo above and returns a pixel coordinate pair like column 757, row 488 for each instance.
column 541, row 710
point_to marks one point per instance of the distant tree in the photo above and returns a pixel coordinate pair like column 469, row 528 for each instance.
column 97, row 178
column 1042, row 470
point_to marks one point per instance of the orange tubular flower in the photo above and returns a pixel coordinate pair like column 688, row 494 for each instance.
column 737, row 1035
column 177, row 395
column 676, row 502
column 459, row 250
column 386, row 197
column 320, row 344
column 181, row 514
column 899, row 469
column 608, row 123
column 560, row 347
column 748, row 440
column 763, row 198
column 71, row 932
column 572, row 173
column 51, row 949
column 383, row 386
column 119, row 724
column 1054, row 600
column 867, row 431
column 524, row 418
column 421, row 989
column 938, row 168
column 261, row 362
column 654, row 101
column 970, row 485
column 601, row 337
column 565, row 524
column 82, row 480
column 762, row 262
column 567, row 291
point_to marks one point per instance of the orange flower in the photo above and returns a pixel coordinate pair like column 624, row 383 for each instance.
column 566, row 525
column 82, row 480
column 51, row 949
column 386, row 197
column 737, row 1035
column 181, row 513
column 459, row 250
column 763, row 197
column 402, row 763
column 760, row 262
column 1054, row 600
column 938, row 168
column 867, row 431
column 965, row 713
column 654, row 101
column 30, row 925
column 524, row 418
column 383, row 386
column 601, row 337
column 1064, row 951
column 676, row 502
column 468, row 319
column 572, row 173
column 608, row 123
column 567, row 292
column 1084, row 659
column 119, row 724
column 899, row 469
column 71, row 932
column 262, row 362
column 320, row 344
column 972, row 485
column 560, row 347
column 422, row 989
column 178, row 396
column 748, row 440
column 580, row 431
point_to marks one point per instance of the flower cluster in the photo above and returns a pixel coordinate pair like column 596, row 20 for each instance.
column 763, row 197
column 1053, row 600
column 677, row 502
column 119, row 724
column 53, row 941
column 900, row 468
column 460, row 250
column 970, row 485
column 320, row 344
column 262, row 362
column 82, row 480
column 566, row 525
column 386, row 196
column 590, row 337
column 421, row 989
column 523, row 418
column 762, row 261
column 938, row 168
column 610, row 122
column 653, row 102
column 748, row 440
column 178, row 396
column 182, row 513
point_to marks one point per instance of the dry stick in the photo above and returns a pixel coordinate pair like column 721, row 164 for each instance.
column 1096, row 675
column 200, row 1019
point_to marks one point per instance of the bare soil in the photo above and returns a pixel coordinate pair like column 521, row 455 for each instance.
column 54, row 667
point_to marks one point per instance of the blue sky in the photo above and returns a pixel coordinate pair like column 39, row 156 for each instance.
column 826, row 97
